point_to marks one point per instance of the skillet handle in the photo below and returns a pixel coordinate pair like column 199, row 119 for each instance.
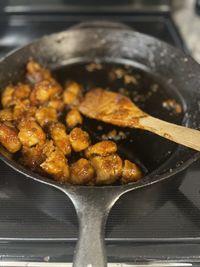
column 90, row 249
column 92, row 207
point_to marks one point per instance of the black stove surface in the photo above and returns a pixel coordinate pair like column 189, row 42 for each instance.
column 17, row 30
column 169, row 229
column 63, row 6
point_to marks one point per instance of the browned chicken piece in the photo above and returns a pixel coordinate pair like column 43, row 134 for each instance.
column 81, row 172
column 36, row 73
column 56, row 165
column 57, row 104
column 79, row 139
column 60, row 137
column 32, row 157
column 20, row 109
column 6, row 115
column 108, row 169
column 72, row 94
column 103, row 148
column 44, row 91
column 9, row 138
column 30, row 133
column 30, row 113
column 12, row 94
column 130, row 173
column 7, row 96
column 73, row 118
column 22, row 91
column 48, row 148
column 73, row 87
column 23, row 109
column 46, row 115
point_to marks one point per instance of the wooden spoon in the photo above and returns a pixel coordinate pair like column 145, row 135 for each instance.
column 119, row 110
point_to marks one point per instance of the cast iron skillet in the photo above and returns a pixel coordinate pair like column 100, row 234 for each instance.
column 109, row 44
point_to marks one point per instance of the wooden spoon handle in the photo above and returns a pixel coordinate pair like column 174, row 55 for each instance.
column 179, row 134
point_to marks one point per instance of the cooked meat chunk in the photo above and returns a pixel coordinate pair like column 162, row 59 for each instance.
column 73, row 118
column 9, row 138
column 36, row 73
column 32, row 157
column 108, row 169
column 6, row 115
column 60, row 137
column 57, row 104
column 131, row 172
column 81, row 172
column 69, row 98
column 22, row 109
column 48, row 148
column 22, row 91
column 103, row 148
column 30, row 133
column 44, row 91
column 79, row 139
column 12, row 94
column 56, row 165
column 73, row 87
column 45, row 115
column 7, row 96
column 72, row 94
column 30, row 113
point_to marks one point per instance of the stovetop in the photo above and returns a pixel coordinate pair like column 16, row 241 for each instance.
column 31, row 228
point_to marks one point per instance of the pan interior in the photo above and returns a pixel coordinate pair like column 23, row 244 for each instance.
column 147, row 90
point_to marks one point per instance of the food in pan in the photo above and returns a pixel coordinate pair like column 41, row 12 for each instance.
column 43, row 129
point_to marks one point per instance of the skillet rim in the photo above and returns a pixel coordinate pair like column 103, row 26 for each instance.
column 148, row 179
